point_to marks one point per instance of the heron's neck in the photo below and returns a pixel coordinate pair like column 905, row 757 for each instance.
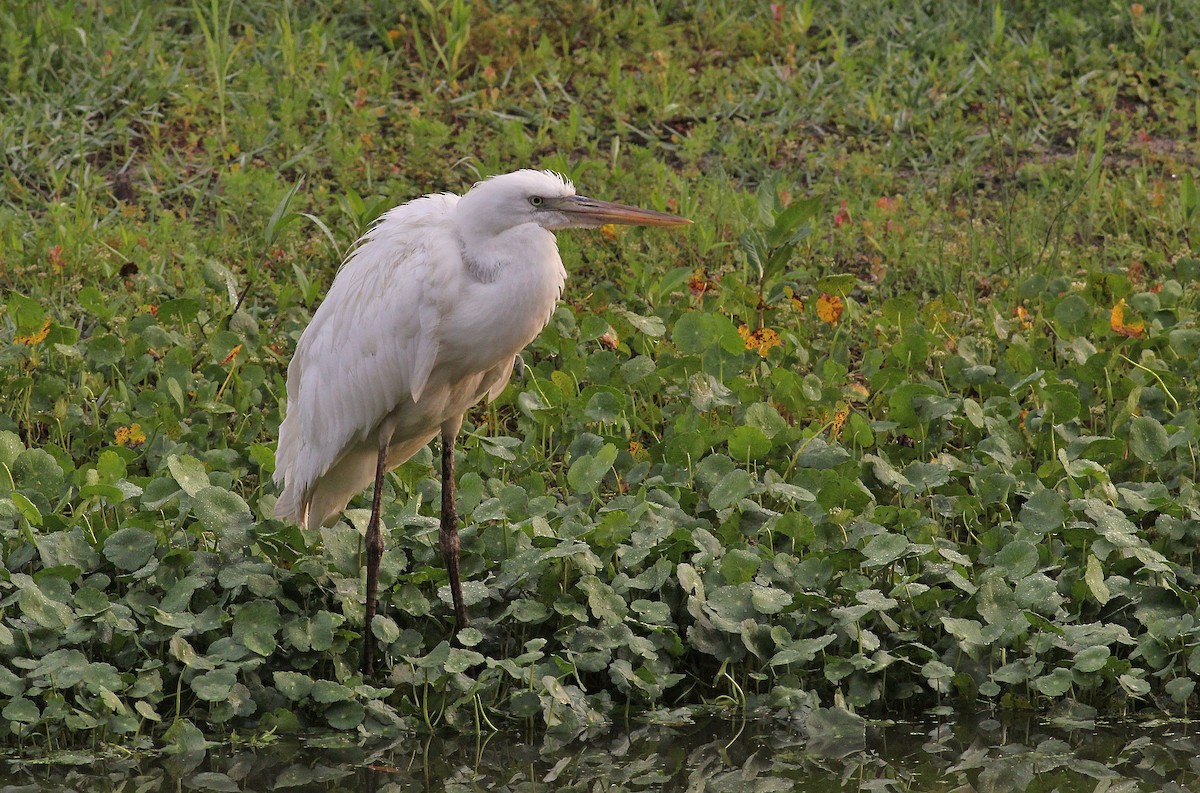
column 528, row 246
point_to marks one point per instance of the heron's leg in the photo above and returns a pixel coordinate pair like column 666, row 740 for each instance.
column 449, row 530
column 374, row 545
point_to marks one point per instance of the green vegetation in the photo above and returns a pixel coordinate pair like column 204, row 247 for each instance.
column 908, row 419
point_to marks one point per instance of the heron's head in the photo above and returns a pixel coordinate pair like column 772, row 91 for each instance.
column 547, row 200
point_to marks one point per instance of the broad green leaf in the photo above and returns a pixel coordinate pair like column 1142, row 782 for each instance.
column 1180, row 689
column 184, row 737
column 326, row 691
column 748, row 443
column 41, row 609
column 1017, row 559
column 769, row 599
column 588, row 471
column 885, row 549
column 345, row 715
column 255, row 625
column 293, row 685
column 886, row 473
column 105, row 349
column 739, row 565
column 693, row 332
column 27, row 508
column 1094, row 578
column 1054, row 684
column 765, row 418
column 1043, row 512
column 926, row 476
column 1091, row 659
column 604, row 603
column 1148, row 439
column 130, row 548
column 460, row 660
column 182, row 650
column 188, row 472
column 221, row 510
column 802, row 650
column 732, row 488
column 968, row 632
column 214, row 686
column 22, row 710
column 37, row 472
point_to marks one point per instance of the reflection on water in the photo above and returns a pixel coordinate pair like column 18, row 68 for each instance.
column 712, row 756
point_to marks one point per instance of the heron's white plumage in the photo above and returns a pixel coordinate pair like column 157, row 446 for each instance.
column 424, row 318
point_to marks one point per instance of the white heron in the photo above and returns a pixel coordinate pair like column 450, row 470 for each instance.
column 426, row 316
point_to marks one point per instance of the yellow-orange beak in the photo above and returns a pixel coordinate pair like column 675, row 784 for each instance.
column 583, row 211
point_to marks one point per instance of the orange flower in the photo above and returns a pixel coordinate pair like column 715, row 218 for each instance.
column 35, row 338
column 700, row 283
column 1137, row 9
column 1116, row 321
column 1024, row 316
column 609, row 230
column 761, row 340
column 830, row 308
column 232, row 354
column 131, row 436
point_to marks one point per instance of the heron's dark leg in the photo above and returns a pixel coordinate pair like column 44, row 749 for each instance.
column 374, row 544
column 449, row 531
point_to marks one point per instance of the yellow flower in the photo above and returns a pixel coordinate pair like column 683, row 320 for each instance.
column 830, row 308
column 1116, row 321
column 130, row 436
column 839, row 419
column 761, row 340
column 35, row 338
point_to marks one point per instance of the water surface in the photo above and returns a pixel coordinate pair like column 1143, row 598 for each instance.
column 713, row 756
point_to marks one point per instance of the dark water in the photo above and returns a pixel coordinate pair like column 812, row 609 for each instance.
column 712, row 756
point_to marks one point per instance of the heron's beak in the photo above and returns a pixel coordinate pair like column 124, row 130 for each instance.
column 584, row 211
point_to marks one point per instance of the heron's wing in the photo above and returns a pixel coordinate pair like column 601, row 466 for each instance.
column 370, row 346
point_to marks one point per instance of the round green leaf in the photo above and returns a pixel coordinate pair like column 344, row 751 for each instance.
column 1148, row 439
column 219, row 509
column 885, row 549
column 748, row 443
column 36, row 471
column 329, row 691
column 693, row 333
column 731, row 489
column 586, row 472
column 1044, row 511
column 1054, row 684
column 130, row 548
column 255, row 625
column 214, row 686
column 293, row 685
column 1017, row 559
column 739, row 565
column 345, row 715
column 1091, row 659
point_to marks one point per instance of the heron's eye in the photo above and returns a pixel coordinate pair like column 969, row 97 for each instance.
column 536, row 200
